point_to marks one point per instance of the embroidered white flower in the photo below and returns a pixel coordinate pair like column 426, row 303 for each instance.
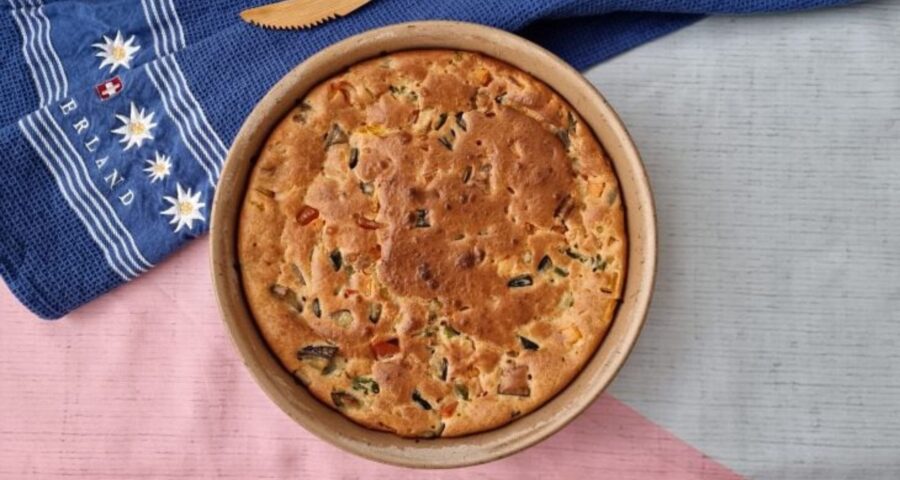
column 185, row 208
column 136, row 127
column 116, row 52
column 159, row 168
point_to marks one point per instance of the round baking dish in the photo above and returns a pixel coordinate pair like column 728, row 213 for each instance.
column 330, row 425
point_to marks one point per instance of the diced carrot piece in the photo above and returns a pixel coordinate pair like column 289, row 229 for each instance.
column 386, row 349
column 448, row 409
column 366, row 223
column 307, row 215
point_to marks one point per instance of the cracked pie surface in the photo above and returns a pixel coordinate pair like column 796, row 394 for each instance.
column 433, row 243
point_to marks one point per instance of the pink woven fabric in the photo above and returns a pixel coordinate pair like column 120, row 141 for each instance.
column 144, row 383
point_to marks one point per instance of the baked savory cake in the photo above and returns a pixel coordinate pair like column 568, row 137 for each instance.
column 433, row 243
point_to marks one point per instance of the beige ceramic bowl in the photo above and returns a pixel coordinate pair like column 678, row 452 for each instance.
column 481, row 447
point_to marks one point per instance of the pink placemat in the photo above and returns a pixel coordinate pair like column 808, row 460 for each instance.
column 145, row 383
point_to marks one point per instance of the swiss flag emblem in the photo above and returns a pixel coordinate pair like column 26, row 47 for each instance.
column 109, row 88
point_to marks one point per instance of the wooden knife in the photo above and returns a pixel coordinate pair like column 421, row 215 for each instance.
column 293, row 14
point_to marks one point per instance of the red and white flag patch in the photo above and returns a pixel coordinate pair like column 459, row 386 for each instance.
column 109, row 88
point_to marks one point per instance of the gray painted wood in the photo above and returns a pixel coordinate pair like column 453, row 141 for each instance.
column 773, row 145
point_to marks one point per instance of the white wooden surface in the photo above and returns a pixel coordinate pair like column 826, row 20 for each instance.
column 773, row 145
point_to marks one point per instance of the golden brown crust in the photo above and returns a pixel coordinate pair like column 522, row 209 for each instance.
column 433, row 243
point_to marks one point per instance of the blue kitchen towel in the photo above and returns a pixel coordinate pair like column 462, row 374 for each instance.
column 119, row 113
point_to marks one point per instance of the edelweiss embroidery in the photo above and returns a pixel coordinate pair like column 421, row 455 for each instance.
column 116, row 52
column 136, row 127
column 185, row 208
column 159, row 168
